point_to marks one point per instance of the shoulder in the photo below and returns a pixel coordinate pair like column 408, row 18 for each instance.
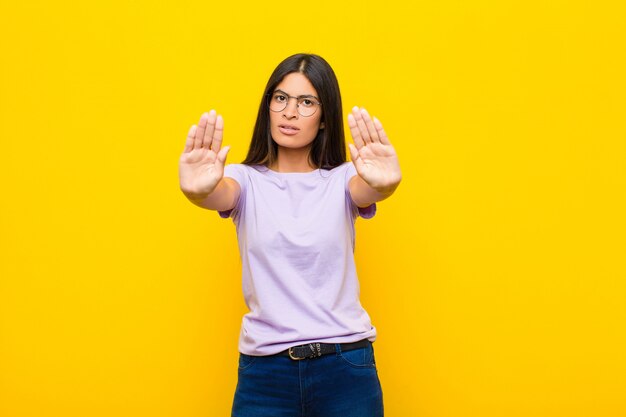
column 244, row 168
column 238, row 172
column 348, row 170
column 236, row 167
column 345, row 169
column 344, row 166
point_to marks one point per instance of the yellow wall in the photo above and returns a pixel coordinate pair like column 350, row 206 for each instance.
column 495, row 274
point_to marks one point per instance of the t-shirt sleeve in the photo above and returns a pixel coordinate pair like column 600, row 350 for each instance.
column 365, row 212
column 239, row 174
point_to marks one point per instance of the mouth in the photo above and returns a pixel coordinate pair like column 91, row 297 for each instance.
column 288, row 129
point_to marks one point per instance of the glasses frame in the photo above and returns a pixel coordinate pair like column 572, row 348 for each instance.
column 307, row 96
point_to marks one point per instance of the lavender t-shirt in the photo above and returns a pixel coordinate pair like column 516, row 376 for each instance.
column 296, row 241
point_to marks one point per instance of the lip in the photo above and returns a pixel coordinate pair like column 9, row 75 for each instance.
column 288, row 130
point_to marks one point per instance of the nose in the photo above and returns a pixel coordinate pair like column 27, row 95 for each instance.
column 291, row 111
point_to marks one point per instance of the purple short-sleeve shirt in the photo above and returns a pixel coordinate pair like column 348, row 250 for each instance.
column 296, row 241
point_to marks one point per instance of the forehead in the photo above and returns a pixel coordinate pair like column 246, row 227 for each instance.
column 296, row 84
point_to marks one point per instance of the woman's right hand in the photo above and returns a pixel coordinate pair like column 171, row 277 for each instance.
column 201, row 166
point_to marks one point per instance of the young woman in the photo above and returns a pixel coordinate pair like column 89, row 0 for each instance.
column 305, row 347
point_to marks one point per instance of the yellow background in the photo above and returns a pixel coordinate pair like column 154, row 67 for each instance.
column 494, row 275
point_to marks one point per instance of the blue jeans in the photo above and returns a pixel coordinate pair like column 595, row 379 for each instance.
column 340, row 384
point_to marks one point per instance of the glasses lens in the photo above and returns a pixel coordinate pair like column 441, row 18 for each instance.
column 278, row 101
column 307, row 106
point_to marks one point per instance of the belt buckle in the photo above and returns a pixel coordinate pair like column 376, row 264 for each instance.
column 293, row 357
column 315, row 349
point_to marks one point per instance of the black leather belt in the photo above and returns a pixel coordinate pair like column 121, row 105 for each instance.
column 315, row 350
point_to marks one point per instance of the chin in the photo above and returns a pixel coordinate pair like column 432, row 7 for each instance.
column 292, row 142
column 291, row 145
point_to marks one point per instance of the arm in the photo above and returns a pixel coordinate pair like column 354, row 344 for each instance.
column 363, row 195
column 223, row 198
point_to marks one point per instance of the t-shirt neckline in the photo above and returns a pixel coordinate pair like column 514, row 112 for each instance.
column 281, row 174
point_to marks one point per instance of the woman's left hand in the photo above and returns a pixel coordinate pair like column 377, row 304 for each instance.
column 373, row 156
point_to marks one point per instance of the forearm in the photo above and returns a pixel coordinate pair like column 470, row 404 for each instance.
column 221, row 198
column 196, row 199
column 364, row 195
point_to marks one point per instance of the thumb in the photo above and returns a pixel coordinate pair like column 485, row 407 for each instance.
column 354, row 154
column 221, row 156
column 356, row 159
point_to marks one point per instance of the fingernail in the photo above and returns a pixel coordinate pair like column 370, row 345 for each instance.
column 355, row 108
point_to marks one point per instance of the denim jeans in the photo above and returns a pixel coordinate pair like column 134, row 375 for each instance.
column 340, row 384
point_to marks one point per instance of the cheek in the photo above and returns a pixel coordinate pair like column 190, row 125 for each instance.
column 315, row 123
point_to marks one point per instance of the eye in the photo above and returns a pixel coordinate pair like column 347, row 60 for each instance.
column 307, row 103
column 279, row 98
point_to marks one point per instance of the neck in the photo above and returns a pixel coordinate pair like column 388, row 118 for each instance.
column 292, row 160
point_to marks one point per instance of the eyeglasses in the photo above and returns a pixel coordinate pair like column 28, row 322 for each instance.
column 306, row 105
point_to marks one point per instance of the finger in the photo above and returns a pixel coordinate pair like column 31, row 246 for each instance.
column 208, row 133
column 381, row 132
column 197, row 141
column 218, row 134
column 361, row 125
column 369, row 125
column 354, row 155
column 189, row 141
column 354, row 131
column 221, row 156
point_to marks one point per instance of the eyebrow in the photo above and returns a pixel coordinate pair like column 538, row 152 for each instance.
column 300, row 96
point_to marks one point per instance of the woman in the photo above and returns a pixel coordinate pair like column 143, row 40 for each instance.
column 306, row 344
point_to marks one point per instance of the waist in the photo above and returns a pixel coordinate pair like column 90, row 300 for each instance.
column 315, row 350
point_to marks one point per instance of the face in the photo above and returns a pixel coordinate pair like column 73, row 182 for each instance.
column 290, row 129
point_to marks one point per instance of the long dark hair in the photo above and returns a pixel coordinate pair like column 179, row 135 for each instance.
column 328, row 149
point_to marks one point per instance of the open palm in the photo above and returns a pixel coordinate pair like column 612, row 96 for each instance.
column 201, row 164
column 374, row 157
